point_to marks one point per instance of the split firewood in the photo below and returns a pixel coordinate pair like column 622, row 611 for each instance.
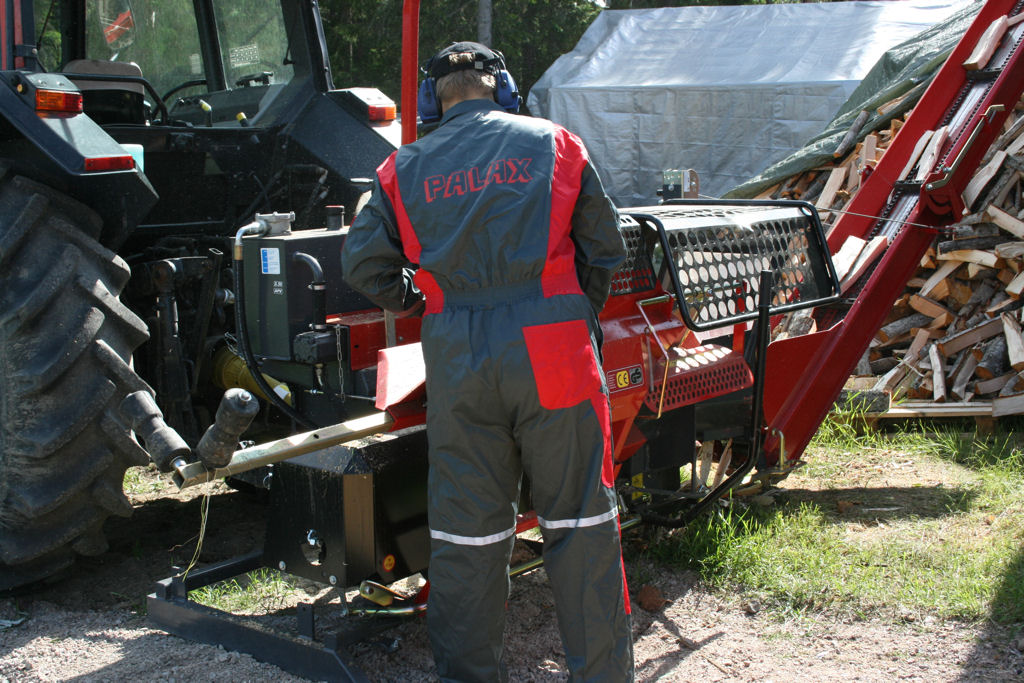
column 962, row 377
column 961, row 340
column 992, row 386
column 986, row 45
column 991, row 358
column 903, row 326
column 1014, row 341
column 983, row 177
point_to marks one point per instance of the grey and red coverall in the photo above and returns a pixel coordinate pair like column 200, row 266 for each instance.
column 516, row 244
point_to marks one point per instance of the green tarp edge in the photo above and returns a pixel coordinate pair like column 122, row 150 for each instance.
column 910, row 66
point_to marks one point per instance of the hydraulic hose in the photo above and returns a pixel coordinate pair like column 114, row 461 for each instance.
column 318, row 285
column 255, row 228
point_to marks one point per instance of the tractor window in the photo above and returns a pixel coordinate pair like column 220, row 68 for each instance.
column 47, row 15
column 159, row 36
column 254, row 43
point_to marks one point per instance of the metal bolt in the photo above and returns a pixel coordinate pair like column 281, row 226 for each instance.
column 281, row 565
column 333, row 579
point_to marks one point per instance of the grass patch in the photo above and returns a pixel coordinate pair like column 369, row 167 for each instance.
column 899, row 523
column 143, row 480
column 260, row 591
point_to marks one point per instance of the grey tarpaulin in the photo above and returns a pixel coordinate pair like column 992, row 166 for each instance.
column 909, row 66
column 725, row 90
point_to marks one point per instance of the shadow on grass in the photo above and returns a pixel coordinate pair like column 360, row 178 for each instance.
column 997, row 653
column 842, row 505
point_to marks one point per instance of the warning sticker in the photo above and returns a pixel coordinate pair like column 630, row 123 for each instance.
column 270, row 261
column 624, row 378
column 244, row 55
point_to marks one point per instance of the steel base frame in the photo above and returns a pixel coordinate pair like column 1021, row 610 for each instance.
column 170, row 609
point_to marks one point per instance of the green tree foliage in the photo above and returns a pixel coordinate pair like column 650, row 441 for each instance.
column 364, row 39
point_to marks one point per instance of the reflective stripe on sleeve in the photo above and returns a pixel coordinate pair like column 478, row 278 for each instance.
column 579, row 522
column 472, row 540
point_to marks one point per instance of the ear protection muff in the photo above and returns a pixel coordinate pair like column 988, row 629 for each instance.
column 427, row 103
column 506, row 92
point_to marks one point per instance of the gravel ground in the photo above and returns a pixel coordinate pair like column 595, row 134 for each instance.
column 91, row 625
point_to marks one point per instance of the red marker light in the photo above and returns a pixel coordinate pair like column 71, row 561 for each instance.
column 118, row 163
column 59, row 101
column 379, row 112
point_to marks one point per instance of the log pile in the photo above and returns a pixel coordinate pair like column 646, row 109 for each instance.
column 953, row 339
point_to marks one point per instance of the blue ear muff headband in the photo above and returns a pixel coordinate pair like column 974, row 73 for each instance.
column 506, row 93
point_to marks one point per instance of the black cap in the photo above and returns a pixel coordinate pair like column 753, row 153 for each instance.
column 484, row 59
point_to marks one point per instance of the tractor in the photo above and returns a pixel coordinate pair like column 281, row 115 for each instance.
column 136, row 137
column 177, row 180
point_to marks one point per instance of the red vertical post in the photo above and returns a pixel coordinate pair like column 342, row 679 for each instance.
column 410, row 67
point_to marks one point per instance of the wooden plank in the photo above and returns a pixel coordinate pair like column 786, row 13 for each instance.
column 948, row 409
column 1014, row 341
column 1008, row 405
column 986, row 45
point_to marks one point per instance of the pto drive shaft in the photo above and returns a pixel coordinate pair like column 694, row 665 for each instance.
column 190, row 474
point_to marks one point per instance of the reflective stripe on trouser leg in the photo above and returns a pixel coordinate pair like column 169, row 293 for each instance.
column 473, row 485
column 582, row 552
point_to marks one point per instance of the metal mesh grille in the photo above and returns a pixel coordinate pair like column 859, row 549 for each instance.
column 636, row 273
column 718, row 253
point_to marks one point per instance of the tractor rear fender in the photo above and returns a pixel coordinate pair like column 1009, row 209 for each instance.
column 69, row 152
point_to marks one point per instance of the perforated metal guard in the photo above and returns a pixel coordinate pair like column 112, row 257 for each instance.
column 719, row 249
column 636, row 273
column 697, row 374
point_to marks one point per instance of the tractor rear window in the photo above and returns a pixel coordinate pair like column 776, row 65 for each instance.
column 160, row 36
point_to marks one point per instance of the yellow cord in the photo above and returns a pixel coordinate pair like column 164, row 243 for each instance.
column 204, row 512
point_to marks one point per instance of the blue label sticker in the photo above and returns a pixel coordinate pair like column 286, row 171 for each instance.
column 270, row 261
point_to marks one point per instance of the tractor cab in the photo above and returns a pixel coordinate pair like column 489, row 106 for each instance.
column 178, row 63
column 228, row 108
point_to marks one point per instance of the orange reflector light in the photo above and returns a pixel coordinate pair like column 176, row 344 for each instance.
column 379, row 112
column 59, row 101
column 118, row 163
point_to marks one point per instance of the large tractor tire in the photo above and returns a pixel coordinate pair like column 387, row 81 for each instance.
column 65, row 346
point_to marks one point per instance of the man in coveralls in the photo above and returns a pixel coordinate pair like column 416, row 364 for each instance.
column 516, row 244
